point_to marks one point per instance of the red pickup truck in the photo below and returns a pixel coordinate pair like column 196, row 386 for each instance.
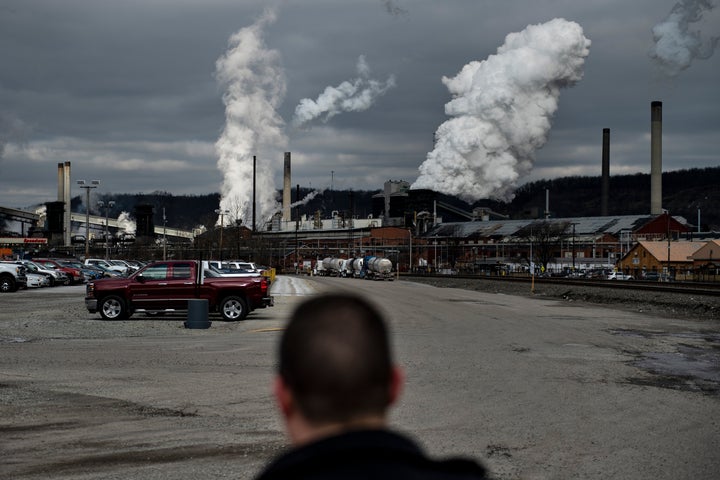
column 168, row 285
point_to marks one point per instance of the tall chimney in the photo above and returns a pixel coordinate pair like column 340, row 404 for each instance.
column 287, row 189
column 656, row 158
column 61, row 183
column 67, row 194
column 605, row 182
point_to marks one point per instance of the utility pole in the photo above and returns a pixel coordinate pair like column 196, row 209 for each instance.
column 164, row 235
column 297, row 227
column 107, row 207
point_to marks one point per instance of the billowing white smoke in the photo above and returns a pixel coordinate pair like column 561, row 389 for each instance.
column 254, row 84
column 126, row 224
column 501, row 112
column 307, row 198
column 675, row 45
column 350, row 96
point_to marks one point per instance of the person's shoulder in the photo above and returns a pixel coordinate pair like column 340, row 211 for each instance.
column 377, row 454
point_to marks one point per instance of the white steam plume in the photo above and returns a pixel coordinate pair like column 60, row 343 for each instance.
column 306, row 198
column 675, row 45
column 254, row 84
column 126, row 224
column 350, row 96
column 501, row 111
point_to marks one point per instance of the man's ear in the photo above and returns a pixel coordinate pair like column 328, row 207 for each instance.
column 283, row 396
column 397, row 379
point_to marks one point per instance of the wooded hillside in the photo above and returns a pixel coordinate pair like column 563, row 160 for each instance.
column 684, row 192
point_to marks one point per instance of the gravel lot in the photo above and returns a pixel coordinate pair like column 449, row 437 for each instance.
column 690, row 307
column 82, row 398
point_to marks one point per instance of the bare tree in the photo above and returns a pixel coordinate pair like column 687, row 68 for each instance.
column 545, row 236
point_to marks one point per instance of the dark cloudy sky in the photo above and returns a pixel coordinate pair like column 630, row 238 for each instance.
column 128, row 91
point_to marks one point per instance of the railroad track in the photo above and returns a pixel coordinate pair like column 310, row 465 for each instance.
column 712, row 289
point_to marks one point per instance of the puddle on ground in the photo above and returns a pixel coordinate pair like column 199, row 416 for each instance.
column 691, row 367
column 687, row 361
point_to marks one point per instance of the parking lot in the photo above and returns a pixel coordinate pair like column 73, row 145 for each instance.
column 533, row 388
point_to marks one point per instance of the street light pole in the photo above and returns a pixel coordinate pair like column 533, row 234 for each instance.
column 107, row 206
column 573, row 247
column 87, row 187
column 164, row 235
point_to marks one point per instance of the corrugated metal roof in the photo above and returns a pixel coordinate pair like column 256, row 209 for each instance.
column 583, row 226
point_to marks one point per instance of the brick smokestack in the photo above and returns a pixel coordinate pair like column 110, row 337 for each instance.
column 656, row 158
column 287, row 189
column 605, row 187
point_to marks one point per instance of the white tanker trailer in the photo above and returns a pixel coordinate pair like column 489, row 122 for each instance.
column 378, row 268
column 334, row 267
column 355, row 267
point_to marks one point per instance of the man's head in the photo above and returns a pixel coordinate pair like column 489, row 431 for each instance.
column 335, row 362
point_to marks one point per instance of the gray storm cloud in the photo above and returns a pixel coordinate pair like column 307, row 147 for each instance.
column 501, row 112
column 254, row 86
column 350, row 96
column 676, row 46
column 12, row 129
column 392, row 8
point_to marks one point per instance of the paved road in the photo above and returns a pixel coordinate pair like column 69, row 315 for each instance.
column 536, row 389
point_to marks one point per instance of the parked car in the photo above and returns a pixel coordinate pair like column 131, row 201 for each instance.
column 212, row 270
column 74, row 274
column 37, row 280
column 239, row 265
column 619, row 276
column 88, row 272
column 168, row 286
column 12, row 277
column 55, row 276
column 122, row 269
column 651, row 277
column 129, row 268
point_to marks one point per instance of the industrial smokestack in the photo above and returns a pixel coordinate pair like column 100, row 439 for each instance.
column 64, row 196
column 656, row 158
column 287, row 189
column 605, row 182
column 61, row 183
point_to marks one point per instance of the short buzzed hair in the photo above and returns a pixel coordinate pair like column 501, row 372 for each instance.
column 335, row 357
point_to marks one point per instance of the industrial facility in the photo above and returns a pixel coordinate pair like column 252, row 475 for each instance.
column 406, row 226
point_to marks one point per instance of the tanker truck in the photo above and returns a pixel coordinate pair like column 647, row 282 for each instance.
column 355, row 268
column 378, row 268
column 333, row 267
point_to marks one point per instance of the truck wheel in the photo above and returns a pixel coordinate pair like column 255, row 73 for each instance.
column 233, row 308
column 113, row 307
column 7, row 284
